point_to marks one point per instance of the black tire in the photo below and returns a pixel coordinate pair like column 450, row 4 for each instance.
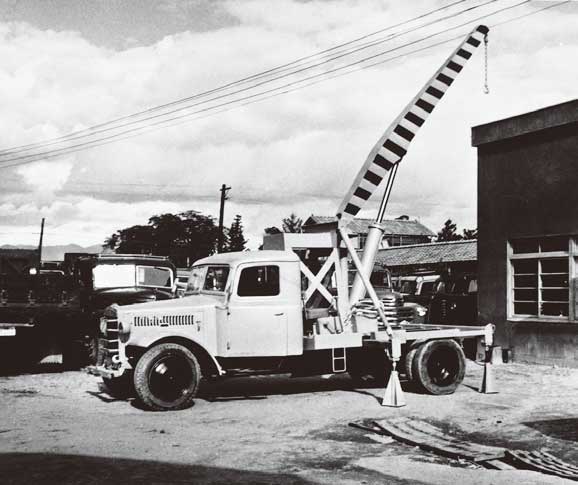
column 439, row 366
column 408, row 363
column 119, row 387
column 370, row 369
column 167, row 377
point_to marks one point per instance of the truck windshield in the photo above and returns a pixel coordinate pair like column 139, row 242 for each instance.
column 113, row 275
column 154, row 276
column 130, row 275
column 408, row 287
column 207, row 278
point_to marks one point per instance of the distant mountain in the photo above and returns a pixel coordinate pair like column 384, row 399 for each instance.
column 56, row 253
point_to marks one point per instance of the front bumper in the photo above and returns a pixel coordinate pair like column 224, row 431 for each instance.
column 111, row 360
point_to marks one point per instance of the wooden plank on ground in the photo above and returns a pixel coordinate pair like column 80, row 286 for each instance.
column 431, row 438
column 543, row 462
column 497, row 465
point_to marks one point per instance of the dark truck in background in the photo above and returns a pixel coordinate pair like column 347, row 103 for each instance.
column 52, row 315
column 456, row 300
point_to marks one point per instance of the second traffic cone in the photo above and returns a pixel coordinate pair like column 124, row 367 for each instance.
column 393, row 395
column 488, row 384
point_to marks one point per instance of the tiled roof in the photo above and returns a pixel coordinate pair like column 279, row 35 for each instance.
column 396, row 227
column 420, row 254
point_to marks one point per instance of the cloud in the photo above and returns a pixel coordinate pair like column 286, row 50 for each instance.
column 294, row 153
column 46, row 177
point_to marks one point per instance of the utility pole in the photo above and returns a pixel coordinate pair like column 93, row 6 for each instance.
column 40, row 244
column 224, row 190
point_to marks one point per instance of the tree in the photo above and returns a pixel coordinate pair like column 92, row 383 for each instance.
column 183, row 237
column 168, row 230
column 132, row 240
column 448, row 232
column 236, row 238
column 273, row 230
column 292, row 223
column 470, row 234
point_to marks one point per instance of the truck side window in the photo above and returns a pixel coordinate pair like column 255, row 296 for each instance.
column 427, row 288
column 216, row 278
column 259, row 281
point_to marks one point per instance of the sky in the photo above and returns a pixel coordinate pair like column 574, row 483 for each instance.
column 71, row 64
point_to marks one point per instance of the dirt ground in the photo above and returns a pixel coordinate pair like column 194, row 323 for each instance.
column 63, row 428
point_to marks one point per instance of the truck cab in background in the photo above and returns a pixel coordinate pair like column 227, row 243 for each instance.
column 456, row 300
column 417, row 288
column 395, row 301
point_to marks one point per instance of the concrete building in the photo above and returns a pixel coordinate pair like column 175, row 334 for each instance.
column 398, row 232
column 528, row 233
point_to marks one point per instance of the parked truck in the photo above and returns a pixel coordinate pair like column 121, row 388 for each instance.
column 288, row 308
column 52, row 315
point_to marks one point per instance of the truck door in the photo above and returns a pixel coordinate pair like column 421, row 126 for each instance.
column 258, row 312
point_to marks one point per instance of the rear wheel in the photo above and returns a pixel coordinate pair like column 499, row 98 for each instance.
column 167, row 377
column 408, row 362
column 439, row 366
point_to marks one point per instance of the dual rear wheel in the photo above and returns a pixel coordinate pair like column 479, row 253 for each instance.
column 436, row 366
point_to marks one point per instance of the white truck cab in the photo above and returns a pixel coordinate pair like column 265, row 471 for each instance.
column 258, row 294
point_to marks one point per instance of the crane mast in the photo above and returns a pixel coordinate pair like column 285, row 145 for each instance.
column 384, row 158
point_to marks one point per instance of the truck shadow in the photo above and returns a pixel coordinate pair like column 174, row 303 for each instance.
column 562, row 429
column 46, row 468
column 260, row 387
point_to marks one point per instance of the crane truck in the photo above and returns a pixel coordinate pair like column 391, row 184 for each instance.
column 288, row 308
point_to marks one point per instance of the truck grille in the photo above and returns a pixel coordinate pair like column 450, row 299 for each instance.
column 393, row 308
column 109, row 345
column 146, row 321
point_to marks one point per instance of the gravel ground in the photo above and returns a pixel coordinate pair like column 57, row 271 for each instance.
column 63, row 428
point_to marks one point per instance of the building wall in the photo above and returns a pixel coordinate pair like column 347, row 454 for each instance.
column 527, row 186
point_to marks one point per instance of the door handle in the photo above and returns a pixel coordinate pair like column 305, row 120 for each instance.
column 279, row 314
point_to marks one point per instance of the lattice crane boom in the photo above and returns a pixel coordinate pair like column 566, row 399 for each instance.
column 390, row 149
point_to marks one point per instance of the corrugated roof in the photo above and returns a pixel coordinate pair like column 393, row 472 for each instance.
column 431, row 253
column 393, row 227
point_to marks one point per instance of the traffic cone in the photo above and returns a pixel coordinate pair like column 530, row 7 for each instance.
column 488, row 384
column 393, row 395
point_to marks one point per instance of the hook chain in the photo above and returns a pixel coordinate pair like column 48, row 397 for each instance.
column 486, row 87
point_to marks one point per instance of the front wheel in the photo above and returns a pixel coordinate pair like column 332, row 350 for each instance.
column 167, row 377
column 439, row 366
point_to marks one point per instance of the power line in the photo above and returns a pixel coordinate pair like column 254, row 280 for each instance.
column 231, row 84
column 105, row 129
column 278, row 90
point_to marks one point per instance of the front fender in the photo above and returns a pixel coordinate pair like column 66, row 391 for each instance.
column 146, row 340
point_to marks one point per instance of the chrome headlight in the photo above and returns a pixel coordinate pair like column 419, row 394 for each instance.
column 103, row 324
column 421, row 311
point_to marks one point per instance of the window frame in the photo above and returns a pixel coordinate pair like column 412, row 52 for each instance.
column 571, row 255
column 257, row 265
column 163, row 268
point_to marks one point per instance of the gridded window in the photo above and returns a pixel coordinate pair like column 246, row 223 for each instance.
column 259, row 281
column 540, row 275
